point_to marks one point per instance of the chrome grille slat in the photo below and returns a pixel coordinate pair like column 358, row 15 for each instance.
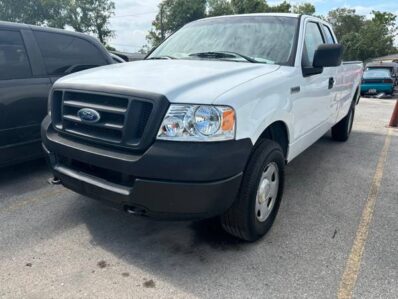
column 103, row 108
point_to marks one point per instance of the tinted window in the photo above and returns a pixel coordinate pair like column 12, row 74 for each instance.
column 14, row 62
column 328, row 35
column 313, row 38
column 64, row 54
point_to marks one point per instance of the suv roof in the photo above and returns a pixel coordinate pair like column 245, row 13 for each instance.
column 20, row 26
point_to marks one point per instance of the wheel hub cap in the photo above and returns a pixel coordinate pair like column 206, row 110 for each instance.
column 267, row 192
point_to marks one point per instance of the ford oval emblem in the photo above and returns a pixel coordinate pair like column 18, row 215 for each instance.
column 89, row 115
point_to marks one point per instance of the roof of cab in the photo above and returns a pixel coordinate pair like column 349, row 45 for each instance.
column 287, row 15
column 291, row 15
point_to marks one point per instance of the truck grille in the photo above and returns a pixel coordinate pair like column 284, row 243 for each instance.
column 124, row 120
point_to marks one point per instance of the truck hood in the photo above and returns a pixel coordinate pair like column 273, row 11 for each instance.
column 183, row 81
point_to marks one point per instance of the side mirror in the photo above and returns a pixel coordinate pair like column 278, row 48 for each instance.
column 328, row 56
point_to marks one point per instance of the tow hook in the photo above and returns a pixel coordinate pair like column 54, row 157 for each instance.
column 135, row 211
column 54, row 181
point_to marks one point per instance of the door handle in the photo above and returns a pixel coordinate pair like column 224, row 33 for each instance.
column 295, row 89
column 331, row 82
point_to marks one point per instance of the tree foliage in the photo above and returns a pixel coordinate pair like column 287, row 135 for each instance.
column 364, row 39
column 89, row 16
column 219, row 8
column 304, row 9
column 173, row 14
column 248, row 6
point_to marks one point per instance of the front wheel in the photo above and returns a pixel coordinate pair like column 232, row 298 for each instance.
column 342, row 130
column 253, row 213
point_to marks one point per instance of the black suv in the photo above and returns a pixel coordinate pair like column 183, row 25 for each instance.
column 31, row 59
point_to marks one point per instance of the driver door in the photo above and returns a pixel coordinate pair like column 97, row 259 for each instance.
column 312, row 105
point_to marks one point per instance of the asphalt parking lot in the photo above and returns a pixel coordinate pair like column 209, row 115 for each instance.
column 57, row 244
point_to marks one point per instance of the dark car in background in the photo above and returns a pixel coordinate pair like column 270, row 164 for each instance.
column 31, row 59
column 376, row 81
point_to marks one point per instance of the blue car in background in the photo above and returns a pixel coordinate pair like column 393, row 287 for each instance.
column 375, row 81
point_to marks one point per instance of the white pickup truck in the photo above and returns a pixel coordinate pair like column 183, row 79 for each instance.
column 204, row 126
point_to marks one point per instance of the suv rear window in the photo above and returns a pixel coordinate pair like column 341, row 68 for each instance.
column 14, row 62
column 64, row 54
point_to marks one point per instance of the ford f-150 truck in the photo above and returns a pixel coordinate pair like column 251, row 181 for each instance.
column 204, row 126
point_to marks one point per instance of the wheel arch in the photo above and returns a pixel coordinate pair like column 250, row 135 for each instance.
column 277, row 131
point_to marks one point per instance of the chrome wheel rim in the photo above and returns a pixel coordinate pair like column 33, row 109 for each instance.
column 267, row 192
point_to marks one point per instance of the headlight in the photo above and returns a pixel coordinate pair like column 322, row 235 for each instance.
column 198, row 123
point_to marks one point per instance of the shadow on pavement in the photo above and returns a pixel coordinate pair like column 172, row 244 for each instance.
column 24, row 177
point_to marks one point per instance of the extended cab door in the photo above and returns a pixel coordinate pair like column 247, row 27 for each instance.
column 312, row 97
column 24, row 89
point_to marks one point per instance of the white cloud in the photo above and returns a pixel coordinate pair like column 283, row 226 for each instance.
column 131, row 23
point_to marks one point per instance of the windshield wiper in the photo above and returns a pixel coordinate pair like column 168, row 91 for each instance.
column 223, row 54
column 161, row 57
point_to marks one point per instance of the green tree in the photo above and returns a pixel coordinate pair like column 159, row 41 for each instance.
column 219, row 8
column 34, row 12
column 248, row 6
column 283, row 7
column 89, row 16
column 173, row 14
column 304, row 9
column 364, row 39
column 345, row 21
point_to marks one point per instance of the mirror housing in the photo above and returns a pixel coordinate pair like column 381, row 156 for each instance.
column 328, row 55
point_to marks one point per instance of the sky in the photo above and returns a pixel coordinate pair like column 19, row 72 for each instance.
column 133, row 18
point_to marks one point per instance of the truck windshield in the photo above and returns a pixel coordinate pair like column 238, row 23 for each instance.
column 260, row 39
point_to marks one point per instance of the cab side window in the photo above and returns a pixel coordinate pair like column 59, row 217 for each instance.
column 14, row 62
column 328, row 35
column 312, row 40
column 64, row 54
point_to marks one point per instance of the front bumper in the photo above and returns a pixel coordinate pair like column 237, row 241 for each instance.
column 173, row 180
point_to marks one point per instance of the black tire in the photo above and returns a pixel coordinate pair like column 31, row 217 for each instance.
column 241, row 220
column 342, row 130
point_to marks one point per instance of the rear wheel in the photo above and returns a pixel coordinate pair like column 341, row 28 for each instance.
column 342, row 130
column 253, row 213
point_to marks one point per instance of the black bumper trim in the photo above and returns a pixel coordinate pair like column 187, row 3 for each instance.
column 158, row 199
column 172, row 180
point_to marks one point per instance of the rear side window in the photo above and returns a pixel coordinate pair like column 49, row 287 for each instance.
column 64, row 54
column 312, row 40
column 14, row 62
column 328, row 35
